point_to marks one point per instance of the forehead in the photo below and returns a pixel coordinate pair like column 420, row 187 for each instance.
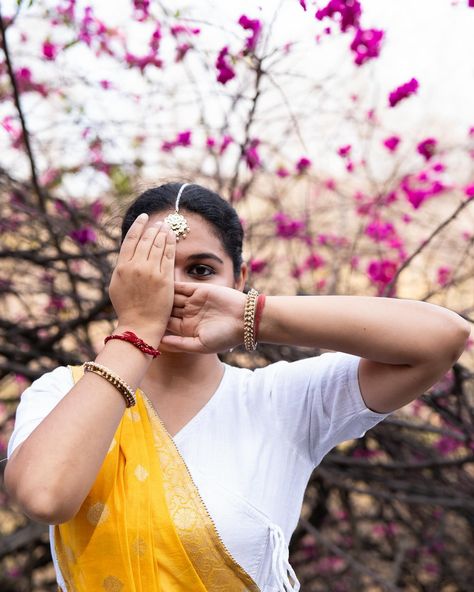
column 201, row 236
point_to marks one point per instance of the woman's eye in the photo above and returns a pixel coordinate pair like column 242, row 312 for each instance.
column 202, row 270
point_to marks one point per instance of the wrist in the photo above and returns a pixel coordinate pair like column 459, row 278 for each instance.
column 151, row 335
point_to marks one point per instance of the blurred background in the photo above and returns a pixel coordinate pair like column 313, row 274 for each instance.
column 343, row 134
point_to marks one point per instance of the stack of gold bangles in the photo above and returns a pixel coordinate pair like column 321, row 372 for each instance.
column 252, row 315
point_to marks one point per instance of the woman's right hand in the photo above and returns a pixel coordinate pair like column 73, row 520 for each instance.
column 142, row 284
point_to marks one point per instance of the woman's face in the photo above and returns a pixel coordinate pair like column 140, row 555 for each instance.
column 200, row 257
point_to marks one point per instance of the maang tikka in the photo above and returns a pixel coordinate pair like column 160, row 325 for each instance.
column 177, row 222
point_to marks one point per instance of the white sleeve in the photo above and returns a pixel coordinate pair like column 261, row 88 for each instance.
column 317, row 402
column 37, row 401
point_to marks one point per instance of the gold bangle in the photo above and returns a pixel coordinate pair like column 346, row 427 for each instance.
column 125, row 390
column 249, row 320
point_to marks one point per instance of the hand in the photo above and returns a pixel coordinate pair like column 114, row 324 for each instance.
column 205, row 318
column 142, row 284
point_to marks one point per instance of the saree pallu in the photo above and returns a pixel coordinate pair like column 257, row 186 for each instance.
column 143, row 526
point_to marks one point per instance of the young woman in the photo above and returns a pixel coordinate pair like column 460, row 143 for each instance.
column 177, row 472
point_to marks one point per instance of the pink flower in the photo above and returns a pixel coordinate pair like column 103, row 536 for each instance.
column 446, row 445
column 314, row 261
column 402, row 92
column 105, row 84
column 55, row 303
column 182, row 139
column 427, row 148
column 141, row 9
column 349, row 12
column 181, row 51
column 423, row 189
column 282, row 172
column 226, row 71
column 83, row 235
column 257, row 265
column 366, row 45
column 302, row 165
column 210, row 142
column 470, row 3
column 226, row 140
column 380, row 231
column 179, row 29
column 50, row 50
column 344, row 151
column 252, row 158
column 97, row 207
column 469, row 191
column 444, row 275
column 287, row 227
column 381, row 271
column 303, row 4
column 155, row 38
column 253, row 25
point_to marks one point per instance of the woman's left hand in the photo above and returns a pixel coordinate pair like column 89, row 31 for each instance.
column 205, row 318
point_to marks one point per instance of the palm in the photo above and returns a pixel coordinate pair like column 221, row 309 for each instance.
column 205, row 318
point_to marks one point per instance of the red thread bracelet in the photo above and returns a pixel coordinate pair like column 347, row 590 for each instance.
column 135, row 340
column 258, row 313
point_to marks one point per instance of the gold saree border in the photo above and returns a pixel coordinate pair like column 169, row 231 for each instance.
column 211, row 559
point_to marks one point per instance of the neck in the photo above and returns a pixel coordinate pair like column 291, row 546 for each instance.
column 181, row 372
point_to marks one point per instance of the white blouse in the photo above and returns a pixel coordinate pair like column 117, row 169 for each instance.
column 251, row 449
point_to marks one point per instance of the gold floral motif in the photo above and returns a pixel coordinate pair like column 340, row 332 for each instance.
column 112, row 584
column 98, row 513
column 141, row 473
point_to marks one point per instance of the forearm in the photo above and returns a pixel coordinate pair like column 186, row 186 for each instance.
column 388, row 330
column 57, row 464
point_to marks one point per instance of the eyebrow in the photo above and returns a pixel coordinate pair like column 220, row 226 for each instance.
column 204, row 256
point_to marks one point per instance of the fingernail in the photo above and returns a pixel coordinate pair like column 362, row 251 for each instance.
column 142, row 216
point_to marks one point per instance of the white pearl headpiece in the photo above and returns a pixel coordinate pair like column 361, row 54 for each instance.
column 177, row 222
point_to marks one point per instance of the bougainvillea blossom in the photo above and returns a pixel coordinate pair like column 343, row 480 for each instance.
column 443, row 275
column 380, row 231
column 403, row 91
column 287, row 227
column 252, row 157
column 182, row 139
column 83, row 235
column 366, row 45
column 349, row 12
column 257, row 265
column 302, row 165
column 253, row 25
column 282, row 172
column 226, row 72
column 427, row 148
column 391, row 143
column 141, row 9
column 49, row 50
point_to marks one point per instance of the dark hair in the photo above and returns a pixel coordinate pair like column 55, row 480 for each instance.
column 194, row 198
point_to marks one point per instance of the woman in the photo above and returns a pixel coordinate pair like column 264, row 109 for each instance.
column 180, row 472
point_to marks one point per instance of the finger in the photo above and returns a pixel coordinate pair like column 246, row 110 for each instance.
column 169, row 252
column 174, row 325
column 185, row 288
column 127, row 250
column 177, row 312
column 147, row 240
column 179, row 300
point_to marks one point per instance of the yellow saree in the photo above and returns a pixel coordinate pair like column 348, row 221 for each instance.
column 143, row 526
